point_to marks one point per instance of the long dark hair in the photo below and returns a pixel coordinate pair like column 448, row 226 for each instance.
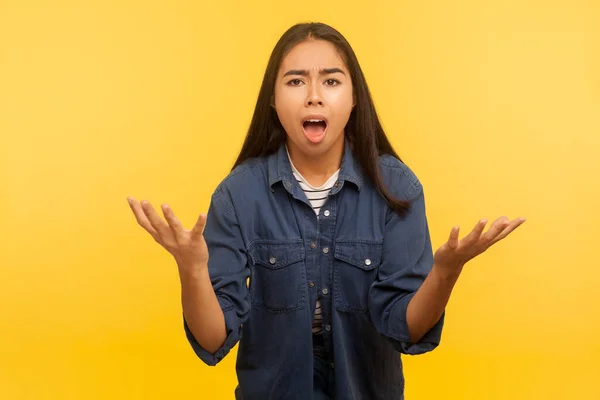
column 364, row 132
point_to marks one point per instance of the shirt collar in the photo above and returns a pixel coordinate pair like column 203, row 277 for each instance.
column 280, row 169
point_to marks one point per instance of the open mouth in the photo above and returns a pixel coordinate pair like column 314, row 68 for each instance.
column 315, row 129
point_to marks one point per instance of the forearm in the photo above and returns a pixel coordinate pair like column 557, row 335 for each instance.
column 201, row 309
column 428, row 304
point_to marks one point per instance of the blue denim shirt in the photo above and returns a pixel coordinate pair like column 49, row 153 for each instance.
column 270, row 257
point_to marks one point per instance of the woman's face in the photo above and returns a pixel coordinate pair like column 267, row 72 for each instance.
column 314, row 97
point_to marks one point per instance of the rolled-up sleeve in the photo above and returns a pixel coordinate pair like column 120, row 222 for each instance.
column 228, row 273
column 406, row 261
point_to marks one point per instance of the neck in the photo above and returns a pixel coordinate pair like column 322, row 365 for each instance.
column 316, row 169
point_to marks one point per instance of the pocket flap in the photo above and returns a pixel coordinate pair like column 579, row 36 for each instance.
column 276, row 254
column 361, row 254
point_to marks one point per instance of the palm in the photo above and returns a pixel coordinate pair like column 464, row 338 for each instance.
column 187, row 246
column 457, row 252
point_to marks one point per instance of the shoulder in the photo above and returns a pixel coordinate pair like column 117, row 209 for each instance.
column 399, row 178
column 247, row 176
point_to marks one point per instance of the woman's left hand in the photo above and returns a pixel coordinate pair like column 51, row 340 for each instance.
column 454, row 254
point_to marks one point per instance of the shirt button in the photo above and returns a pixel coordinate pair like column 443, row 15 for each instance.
column 332, row 365
column 325, row 250
column 311, row 284
column 328, row 328
column 338, row 184
column 313, row 245
column 326, row 213
column 367, row 262
column 325, row 291
column 272, row 260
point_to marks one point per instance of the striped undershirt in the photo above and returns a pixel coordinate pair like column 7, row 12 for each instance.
column 317, row 197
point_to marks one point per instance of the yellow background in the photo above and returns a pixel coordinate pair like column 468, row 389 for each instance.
column 494, row 104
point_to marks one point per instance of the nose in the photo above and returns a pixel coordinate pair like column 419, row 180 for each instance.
column 313, row 96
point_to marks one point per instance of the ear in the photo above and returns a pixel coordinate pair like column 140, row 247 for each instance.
column 273, row 101
column 353, row 99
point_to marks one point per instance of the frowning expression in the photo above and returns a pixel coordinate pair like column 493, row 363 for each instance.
column 313, row 96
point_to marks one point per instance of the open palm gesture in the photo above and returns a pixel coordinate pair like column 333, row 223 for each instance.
column 188, row 247
column 455, row 253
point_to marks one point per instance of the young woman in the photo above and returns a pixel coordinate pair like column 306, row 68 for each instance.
column 321, row 263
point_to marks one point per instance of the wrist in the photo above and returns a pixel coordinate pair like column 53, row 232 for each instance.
column 192, row 272
column 447, row 273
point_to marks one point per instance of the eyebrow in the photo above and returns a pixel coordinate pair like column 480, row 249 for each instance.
column 324, row 71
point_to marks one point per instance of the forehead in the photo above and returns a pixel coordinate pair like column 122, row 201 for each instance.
column 313, row 54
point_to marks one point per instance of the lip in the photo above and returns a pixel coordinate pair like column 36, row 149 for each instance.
column 315, row 116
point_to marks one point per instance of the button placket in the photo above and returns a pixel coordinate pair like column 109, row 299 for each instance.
column 325, row 242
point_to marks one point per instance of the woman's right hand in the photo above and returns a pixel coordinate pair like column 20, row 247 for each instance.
column 188, row 247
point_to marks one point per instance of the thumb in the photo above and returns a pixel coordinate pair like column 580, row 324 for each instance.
column 200, row 223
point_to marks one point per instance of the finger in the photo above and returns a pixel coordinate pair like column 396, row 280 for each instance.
column 172, row 220
column 475, row 233
column 453, row 239
column 200, row 224
column 497, row 226
column 157, row 222
column 141, row 217
column 509, row 229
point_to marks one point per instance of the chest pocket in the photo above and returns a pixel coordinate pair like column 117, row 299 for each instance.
column 355, row 269
column 278, row 280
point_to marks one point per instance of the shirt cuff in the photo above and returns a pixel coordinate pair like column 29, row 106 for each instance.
column 232, row 329
column 400, row 335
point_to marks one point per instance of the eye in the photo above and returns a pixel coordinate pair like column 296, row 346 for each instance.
column 294, row 82
column 332, row 82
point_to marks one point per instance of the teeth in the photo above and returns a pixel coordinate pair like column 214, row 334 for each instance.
column 314, row 120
